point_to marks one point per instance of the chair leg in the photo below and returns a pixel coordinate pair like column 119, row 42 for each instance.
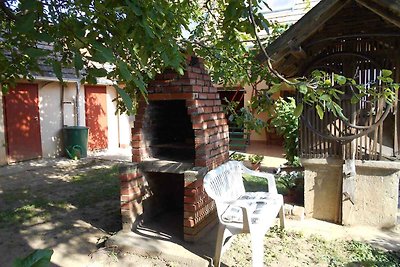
column 257, row 246
column 282, row 218
column 221, row 236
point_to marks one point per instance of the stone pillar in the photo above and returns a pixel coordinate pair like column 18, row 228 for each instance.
column 375, row 195
column 323, row 189
column 375, row 201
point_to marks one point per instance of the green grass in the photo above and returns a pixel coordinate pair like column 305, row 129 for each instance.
column 288, row 248
column 254, row 184
column 29, row 205
column 97, row 185
column 36, row 209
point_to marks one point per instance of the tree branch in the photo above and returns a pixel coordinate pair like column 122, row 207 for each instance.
column 269, row 62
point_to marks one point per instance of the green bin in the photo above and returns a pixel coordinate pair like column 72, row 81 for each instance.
column 75, row 141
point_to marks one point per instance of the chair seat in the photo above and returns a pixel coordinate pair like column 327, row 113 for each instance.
column 257, row 203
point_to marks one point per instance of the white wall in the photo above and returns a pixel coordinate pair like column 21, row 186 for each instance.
column 119, row 129
column 69, row 104
column 50, row 118
column 112, row 118
column 3, row 154
column 125, row 125
column 290, row 15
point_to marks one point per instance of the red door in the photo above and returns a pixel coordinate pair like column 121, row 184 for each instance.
column 96, row 117
column 22, row 123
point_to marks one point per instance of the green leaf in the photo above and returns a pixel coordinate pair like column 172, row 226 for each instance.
column 44, row 37
column 34, row 52
column 275, row 88
column 123, row 69
column 5, row 87
column 319, row 111
column 316, row 73
column 28, row 5
column 98, row 72
column 140, row 84
column 354, row 100
column 298, row 110
column 134, row 7
column 78, row 63
column 125, row 98
column 25, row 24
column 303, row 89
column 180, row 70
column 57, row 70
column 106, row 52
column 386, row 73
column 325, row 97
column 341, row 80
column 38, row 258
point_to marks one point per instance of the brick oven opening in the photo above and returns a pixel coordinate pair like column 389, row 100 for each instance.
column 168, row 132
column 164, row 204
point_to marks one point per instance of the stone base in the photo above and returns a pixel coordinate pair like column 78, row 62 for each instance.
column 375, row 201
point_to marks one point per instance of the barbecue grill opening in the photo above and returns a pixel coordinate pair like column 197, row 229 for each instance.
column 168, row 131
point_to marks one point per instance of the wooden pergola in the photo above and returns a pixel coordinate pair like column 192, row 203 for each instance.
column 357, row 39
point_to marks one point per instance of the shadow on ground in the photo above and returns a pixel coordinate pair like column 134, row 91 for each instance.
column 68, row 206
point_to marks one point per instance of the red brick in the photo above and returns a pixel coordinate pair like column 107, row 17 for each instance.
column 200, row 162
column 184, row 81
column 127, row 198
column 197, row 126
column 208, row 109
column 136, row 158
column 169, row 76
column 213, row 96
column 189, row 207
column 197, row 70
column 188, row 222
column 194, row 184
column 217, row 109
column 173, row 89
column 200, row 82
column 126, row 177
column 206, row 77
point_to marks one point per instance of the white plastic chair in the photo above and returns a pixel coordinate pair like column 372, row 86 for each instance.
column 240, row 211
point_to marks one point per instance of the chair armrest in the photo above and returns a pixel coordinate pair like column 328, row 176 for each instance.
column 246, row 211
column 271, row 179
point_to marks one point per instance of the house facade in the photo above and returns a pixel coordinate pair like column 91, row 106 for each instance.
column 33, row 114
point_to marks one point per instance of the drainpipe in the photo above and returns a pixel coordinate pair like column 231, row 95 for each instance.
column 62, row 104
column 77, row 106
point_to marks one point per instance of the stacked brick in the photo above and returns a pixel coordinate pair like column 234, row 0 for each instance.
column 199, row 209
column 211, row 137
column 132, row 186
column 204, row 107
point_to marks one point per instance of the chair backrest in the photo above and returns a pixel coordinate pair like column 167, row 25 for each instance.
column 225, row 183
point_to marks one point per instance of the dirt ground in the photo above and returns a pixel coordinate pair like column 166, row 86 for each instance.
column 72, row 207
column 50, row 207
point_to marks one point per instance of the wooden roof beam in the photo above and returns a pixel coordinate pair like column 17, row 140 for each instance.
column 305, row 27
column 386, row 9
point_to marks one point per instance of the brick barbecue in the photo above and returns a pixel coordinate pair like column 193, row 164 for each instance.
column 179, row 134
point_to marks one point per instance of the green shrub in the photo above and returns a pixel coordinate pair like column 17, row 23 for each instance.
column 287, row 125
column 238, row 157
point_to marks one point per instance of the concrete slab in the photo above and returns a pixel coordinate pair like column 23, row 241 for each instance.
column 153, row 247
